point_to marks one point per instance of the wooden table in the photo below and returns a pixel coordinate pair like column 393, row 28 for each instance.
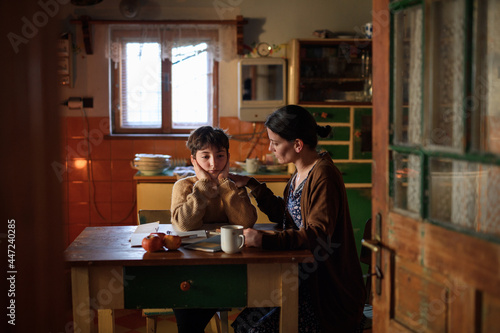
column 107, row 273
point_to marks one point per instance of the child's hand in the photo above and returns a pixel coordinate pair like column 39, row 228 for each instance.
column 200, row 172
column 225, row 172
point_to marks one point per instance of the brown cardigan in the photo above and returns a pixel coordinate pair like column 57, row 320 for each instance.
column 336, row 279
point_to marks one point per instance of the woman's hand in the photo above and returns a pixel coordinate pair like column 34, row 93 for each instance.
column 200, row 172
column 253, row 238
column 239, row 180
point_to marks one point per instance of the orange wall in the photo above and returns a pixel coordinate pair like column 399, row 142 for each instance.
column 110, row 197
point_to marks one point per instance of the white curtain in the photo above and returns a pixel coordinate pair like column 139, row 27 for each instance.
column 221, row 39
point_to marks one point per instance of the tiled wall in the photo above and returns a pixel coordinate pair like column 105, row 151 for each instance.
column 109, row 198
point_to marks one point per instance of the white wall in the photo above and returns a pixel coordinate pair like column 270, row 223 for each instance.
column 272, row 21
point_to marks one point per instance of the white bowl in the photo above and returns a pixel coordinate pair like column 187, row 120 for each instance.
column 151, row 173
column 152, row 163
column 153, row 157
column 148, row 168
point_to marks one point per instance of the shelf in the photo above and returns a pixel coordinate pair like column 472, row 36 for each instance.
column 328, row 79
column 330, row 72
column 335, row 102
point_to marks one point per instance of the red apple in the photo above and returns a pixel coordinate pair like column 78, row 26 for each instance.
column 172, row 242
column 159, row 234
column 152, row 243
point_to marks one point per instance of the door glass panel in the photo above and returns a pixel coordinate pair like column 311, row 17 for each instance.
column 407, row 182
column 487, row 81
column 446, row 74
column 465, row 194
column 407, row 87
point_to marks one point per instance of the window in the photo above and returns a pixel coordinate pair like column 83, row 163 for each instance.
column 164, row 80
column 445, row 146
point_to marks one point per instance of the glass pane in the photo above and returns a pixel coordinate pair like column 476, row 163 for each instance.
column 487, row 82
column 446, row 74
column 407, row 89
column 336, row 72
column 407, row 182
column 191, row 86
column 465, row 194
column 142, row 81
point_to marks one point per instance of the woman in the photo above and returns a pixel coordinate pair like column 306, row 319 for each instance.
column 206, row 201
column 315, row 216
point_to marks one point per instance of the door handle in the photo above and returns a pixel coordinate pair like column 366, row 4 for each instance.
column 371, row 244
column 376, row 247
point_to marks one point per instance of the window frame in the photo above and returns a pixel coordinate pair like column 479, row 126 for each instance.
column 166, row 104
column 471, row 151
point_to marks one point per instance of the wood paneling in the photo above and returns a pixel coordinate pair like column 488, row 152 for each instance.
column 490, row 314
column 420, row 302
column 475, row 261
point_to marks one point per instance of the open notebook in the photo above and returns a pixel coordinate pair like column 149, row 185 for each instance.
column 211, row 244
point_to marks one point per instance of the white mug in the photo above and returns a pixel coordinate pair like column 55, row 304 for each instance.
column 232, row 238
column 252, row 165
column 368, row 30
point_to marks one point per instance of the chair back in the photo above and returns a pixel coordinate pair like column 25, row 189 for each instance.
column 147, row 216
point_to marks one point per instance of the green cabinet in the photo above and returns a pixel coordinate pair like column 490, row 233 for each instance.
column 360, row 209
column 332, row 80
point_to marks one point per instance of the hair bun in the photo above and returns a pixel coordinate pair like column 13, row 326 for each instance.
column 323, row 131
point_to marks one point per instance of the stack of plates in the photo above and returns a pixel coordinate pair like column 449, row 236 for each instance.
column 151, row 164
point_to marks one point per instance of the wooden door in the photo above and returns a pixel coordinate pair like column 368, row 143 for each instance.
column 436, row 170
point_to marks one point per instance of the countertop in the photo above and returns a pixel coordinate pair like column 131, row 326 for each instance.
column 168, row 176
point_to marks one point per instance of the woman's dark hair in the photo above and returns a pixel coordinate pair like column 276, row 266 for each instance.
column 205, row 136
column 294, row 122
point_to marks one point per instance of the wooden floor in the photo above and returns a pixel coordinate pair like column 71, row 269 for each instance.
column 132, row 321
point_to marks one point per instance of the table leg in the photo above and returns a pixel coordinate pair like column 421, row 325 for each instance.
column 289, row 315
column 83, row 317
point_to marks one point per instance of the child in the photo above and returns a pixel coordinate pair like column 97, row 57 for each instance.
column 206, row 201
column 210, row 198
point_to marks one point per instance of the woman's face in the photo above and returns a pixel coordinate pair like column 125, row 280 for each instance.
column 212, row 160
column 282, row 149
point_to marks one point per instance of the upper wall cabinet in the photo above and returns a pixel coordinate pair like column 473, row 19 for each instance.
column 330, row 71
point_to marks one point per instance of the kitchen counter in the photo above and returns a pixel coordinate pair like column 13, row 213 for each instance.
column 168, row 177
column 155, row 192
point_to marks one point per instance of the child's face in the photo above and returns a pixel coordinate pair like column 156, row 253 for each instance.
column 212, row 160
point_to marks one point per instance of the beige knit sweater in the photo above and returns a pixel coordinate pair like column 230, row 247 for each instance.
column 200, row 204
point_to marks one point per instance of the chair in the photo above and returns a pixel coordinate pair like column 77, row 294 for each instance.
column 147, row 216
column 219, row 321
column 366, row 257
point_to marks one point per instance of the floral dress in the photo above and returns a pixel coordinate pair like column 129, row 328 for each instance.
column 267, row 320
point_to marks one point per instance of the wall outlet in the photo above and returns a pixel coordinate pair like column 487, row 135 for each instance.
column 88, row 102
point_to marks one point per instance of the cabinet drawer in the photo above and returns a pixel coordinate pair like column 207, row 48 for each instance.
column 211, row 286
column 330, row 115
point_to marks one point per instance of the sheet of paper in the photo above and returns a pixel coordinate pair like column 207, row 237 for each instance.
column 197, row 233
column 142, row 231
column 147, row 227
